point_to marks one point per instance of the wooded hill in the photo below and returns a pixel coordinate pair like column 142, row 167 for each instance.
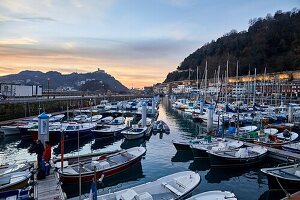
column 272, row 42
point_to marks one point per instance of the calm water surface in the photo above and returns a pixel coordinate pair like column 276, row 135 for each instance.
column 161, row 159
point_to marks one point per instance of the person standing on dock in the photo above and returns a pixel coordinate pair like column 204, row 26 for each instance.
column 39, row 150
column 47, row 157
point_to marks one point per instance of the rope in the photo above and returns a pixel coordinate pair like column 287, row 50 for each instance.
column 288, row 195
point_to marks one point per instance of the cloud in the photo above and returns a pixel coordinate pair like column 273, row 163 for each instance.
column 4, row 18
column 18, row 41
column 68, row 45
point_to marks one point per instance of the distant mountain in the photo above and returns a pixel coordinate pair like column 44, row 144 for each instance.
column 272, row 42
column 98, row 80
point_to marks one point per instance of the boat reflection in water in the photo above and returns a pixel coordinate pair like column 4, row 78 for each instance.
column 182, row 156
column 199, row 165
column 110, row 183
column 71, row 146
column 105, row 142
column 127, row 144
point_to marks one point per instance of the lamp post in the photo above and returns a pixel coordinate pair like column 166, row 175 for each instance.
column 48, row 86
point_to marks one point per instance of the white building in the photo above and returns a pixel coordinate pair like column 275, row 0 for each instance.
column 16, row 90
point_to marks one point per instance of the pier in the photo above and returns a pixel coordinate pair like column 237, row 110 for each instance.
column 49, row 188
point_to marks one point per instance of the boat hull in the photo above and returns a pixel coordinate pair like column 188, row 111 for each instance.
column 182, row 146
column 10, row 131
column 219, row 161
column 133, row 136
column 69, row 179
column 73, row 135
column 199, row 153
column 289, row 185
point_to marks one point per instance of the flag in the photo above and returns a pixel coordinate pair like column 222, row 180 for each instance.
column 93, row 191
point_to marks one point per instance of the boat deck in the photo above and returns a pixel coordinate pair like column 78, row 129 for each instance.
column 49, row 188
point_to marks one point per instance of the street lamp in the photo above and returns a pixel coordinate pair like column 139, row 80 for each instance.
column 48, row 86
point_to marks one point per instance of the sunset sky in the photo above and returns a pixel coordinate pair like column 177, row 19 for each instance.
column 136, row 41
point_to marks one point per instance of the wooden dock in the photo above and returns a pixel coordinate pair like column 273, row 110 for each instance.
column 49, row 188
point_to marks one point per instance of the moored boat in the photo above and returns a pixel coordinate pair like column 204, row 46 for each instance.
column 72, row 129
column 14, row 180
column 288, row 177
column 104, row 165
column 293, row 147
column 236, row 157
column 109, row 131
column 160, row 126
column 174, row 186
column 200, row 150
column 134, row 133
column 214, row 195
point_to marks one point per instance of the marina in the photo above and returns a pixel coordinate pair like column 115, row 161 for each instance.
column 159, row 152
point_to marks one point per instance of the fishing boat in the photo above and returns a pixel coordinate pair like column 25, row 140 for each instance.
column 10, row 130
column 236, row 157
column 214, row 195
column 288, row 177
column 160, row 126
column 80, row 118
column 94, row 118
column 200, row 150
column 104, row 165
column 72, row 129
column 292, row 147
column 134, row 133
column 148, row 122
column 174, row 186
column 109, row 131
column 186, row 144
column 14, row 180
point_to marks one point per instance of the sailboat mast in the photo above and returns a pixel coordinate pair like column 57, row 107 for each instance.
column 226, row 81
column 205, row 82
column 237, row 77
column 254, row 86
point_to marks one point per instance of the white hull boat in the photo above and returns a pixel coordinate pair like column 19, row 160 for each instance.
column 134, row 133
column 214, row 195
column 174, row 186
column 10, row 130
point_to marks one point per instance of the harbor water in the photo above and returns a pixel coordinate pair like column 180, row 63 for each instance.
column 161, row 159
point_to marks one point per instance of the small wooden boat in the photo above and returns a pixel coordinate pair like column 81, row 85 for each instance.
column 174, row 186
column 293, row 147
column 14, row 180
column 109, row 131
column 160, row 126
column 287, row 176
column 214, row 195
column 104, row 165
column 236, row 157
column 200, row 150
column 117, row 121
column 134, row 133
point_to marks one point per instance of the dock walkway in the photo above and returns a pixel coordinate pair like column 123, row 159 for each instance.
column 49, row 188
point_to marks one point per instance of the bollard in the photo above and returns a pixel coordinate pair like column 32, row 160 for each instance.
column 43, row 129
column 210, row 118
column 153, row 106
column 290, row 114
column 144, row 114
column 201, row 106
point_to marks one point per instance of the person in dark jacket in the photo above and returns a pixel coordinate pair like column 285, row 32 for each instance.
column 39, row 150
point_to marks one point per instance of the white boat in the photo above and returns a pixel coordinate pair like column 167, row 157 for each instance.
column 270, row 131
column 109, row 131
column 94, row 118
column 117, row 121
column 148, row 122
column 200, row 149
column 214, row 195
column 174, row 186
column 105, row 120
column 10, row 130
column 134, row 133
column 292, row 147
column 80, row 118
column 287, row 136
column 15, row 180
